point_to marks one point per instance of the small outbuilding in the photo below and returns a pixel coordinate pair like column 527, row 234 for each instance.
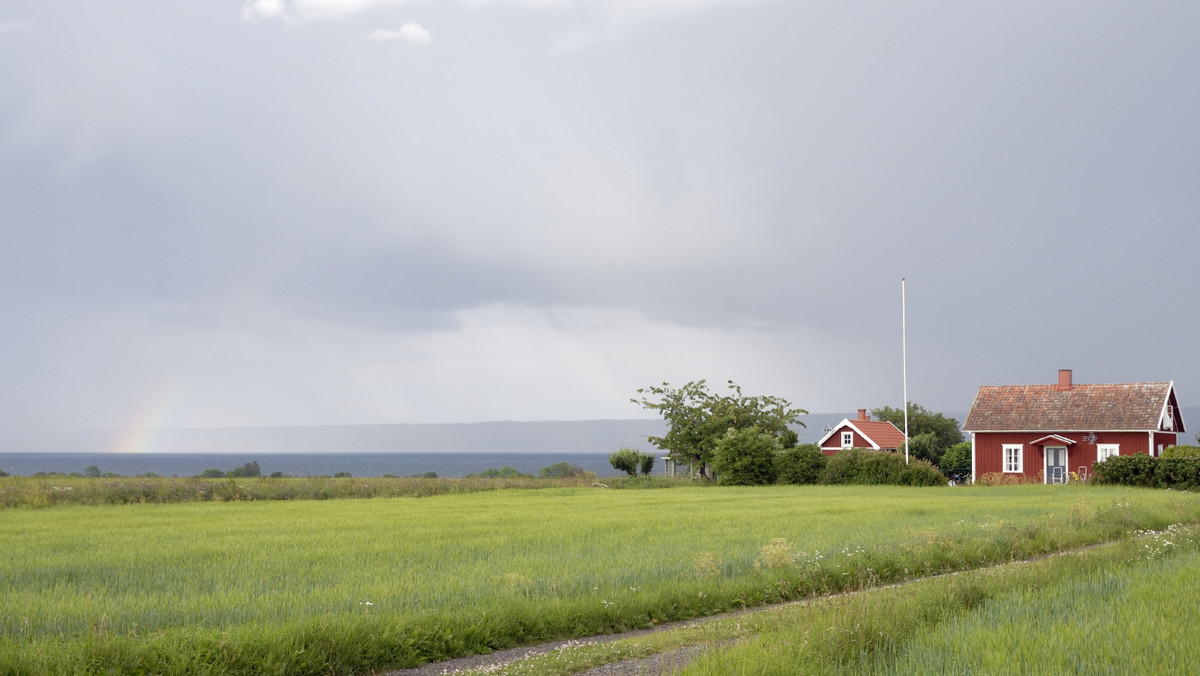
column 1047, row 432
column 862, row 433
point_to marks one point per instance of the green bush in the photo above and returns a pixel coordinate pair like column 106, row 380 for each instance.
column 1181, row 452
column 956, row 463
column 1127, row 470
column 921, row 473
column 879, row 469
column 745, row 457
column 561, row 470
column 629, row 460
column 648, row 461
column 864, row 467
column 504, row 472
column 247, row 470
column 799, row 465
column 1181, row 473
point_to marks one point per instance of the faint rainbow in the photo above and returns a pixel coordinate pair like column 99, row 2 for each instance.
column 136, row 437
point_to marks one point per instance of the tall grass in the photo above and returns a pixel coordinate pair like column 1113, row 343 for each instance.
column 1114, row 610
column 352, row 585
column 51, row 491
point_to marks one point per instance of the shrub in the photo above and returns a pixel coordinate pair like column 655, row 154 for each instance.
column 212, row 473
column 561, row 470
column 842, row 466
column 629, row 460
column 1127, row 470
column 745, row 457
column 647, row 464
column 921, row 473
column 956, row 463
column 1177, row 472
column 246, row 470
column 861, row 466
column 504, row 472
column 799, row 464
column 1181, row 452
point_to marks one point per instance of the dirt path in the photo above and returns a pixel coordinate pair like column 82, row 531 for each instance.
column 663, row 663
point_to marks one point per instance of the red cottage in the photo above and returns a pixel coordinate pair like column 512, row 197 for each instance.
column 1047, row 431
column 862, row 433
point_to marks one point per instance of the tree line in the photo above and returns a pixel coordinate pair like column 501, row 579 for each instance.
column 740, row 439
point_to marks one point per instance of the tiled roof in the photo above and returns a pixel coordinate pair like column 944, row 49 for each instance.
column 881, row 432
column 1035, row 408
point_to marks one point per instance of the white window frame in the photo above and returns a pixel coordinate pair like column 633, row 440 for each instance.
column 1016, row 463
column 847, row 439
column 1106, row 451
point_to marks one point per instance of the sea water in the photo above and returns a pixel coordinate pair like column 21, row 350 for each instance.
column 444, row 464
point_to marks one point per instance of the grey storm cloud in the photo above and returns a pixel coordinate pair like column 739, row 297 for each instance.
column 308, row 211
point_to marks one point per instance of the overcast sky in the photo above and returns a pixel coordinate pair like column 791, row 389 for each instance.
column 367, row 211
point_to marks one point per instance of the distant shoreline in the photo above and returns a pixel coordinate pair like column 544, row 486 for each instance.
column 375, row 464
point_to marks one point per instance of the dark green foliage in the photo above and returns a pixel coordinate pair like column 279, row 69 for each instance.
column 1181, row 452
column 745, row 457
column 422, row 475
column 212, row 473
column 1127, row 470
column 91, row 471
column 956, row 463
column 504, row 472
column 698, row 419
column 647, row 466
column 860, row 466
column 247, row 470
column 561, row 470
column 799, row 464
column 921, row 421
column 789, row 438
column 924, row 446
column 842, row 467
column 1180, row 473
column 341, row 475
column 276, row 475
column 630, row 460
column 921, row 473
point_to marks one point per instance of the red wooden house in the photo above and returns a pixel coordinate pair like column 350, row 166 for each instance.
column 862, row 433
column 1048, row 431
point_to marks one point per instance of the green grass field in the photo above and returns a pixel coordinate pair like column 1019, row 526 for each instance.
column 346, row 586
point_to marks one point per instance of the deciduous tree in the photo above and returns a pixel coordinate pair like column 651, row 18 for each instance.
column 921, row 420
column 698, row 419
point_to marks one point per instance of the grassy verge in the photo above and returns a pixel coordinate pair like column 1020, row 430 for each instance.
column 1117, row 609
column 354, row 585
column 52, row 491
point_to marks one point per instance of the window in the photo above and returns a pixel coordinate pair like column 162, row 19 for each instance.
column 1013, row 457
column 847, row 439
column 1106, row 451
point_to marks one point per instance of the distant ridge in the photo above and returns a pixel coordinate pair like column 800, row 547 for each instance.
column 583, row 436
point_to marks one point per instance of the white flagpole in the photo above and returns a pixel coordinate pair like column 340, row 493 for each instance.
column 904, row 360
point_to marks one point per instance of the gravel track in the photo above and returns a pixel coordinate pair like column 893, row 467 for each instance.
column 663, row 663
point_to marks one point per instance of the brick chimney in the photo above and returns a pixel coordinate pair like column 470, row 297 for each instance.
column 862, row 415
column 1064, row 379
